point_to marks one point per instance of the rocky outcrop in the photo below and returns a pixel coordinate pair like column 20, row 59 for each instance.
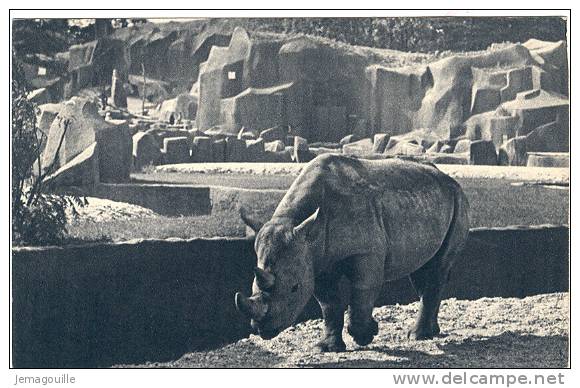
column 260, row 84
column 468, row 95
column 153, row 90
column 548, row 159
column 80, row 171
column 496, row 95
column 118, row 95
column 255, row 108
column 182, row 107
column 79, row 126
column 202, row 150
column 513, row 152
column 220, row 77
column 146, row 150
column 92, row 64
column 46, row 115
column 167, row 53
column 325, row 92
column 176, row 150
column 395, row 95
column 380, row 141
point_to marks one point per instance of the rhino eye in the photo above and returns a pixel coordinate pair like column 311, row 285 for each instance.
column 294, row 288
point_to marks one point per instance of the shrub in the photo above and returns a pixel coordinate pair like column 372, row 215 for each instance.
column 420, row 34
column 37, row 217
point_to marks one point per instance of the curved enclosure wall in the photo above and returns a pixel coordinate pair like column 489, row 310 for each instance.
column 153, row 300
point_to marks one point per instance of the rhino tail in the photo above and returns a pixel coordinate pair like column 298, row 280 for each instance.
column 458, row 231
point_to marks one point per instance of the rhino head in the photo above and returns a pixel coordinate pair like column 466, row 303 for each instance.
column 284, row 277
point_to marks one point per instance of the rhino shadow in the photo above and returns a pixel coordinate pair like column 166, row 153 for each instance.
column 508, row 350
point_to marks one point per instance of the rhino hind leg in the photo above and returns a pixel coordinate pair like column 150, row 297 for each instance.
column 429, row 287
column 330, row 344
column 429, row 282
column 328, row 295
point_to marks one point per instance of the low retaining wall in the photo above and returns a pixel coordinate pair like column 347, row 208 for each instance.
column 165, row 199
column 549, row 159
column 103, row 304
column 186, row 200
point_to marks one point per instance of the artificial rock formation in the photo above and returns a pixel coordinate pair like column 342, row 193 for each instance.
column 46, row 115
column 261, row 84
column 118, row 94
column 506, row 91
column 497, row 94
column 273, row 86
column 78, row 127
column 146, row 150
column 182, row 107
column 91, row 64
column 176, row 150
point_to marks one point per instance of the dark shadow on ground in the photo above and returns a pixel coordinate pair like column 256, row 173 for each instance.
column 247, row 355
column 508, row 350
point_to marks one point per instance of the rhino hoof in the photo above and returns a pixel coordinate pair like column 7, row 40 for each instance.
column 364, row 336
column 423, row 333
column 419, row 334
column 330, row 344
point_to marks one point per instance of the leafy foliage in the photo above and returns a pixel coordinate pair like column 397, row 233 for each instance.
column 40, row 36
column 419, row 34
column 37, row 217
column 50, row 36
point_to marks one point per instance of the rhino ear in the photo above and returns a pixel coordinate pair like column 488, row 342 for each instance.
column 306, row 225
column 249, row 221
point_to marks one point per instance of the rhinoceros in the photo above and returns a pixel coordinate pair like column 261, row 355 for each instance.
column 370, row 221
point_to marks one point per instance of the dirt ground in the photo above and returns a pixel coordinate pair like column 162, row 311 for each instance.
column 487, row 333
column 103, row 210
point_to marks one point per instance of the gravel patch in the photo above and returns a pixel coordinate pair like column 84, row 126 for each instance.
column 536, row 174
column 100, row 210
column 487, row 333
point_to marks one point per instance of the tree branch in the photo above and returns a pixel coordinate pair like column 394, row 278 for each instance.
column 37, row 185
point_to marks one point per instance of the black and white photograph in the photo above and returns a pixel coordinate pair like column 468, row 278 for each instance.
column 267, row 190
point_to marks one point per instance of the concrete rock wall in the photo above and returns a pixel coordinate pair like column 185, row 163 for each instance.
column 92, row 64
column 82, row 126
column 256, row 70
column 324, row 91
column 169, row 54
column 336, row 92
column 102, row 304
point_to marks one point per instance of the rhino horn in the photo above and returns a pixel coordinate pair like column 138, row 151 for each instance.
column 306, row 225
column 264, row 279
column 251, row 307
column 255, row 225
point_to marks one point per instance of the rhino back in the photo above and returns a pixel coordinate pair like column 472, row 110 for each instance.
column 397, row 208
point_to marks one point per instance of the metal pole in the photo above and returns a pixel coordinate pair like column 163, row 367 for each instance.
column 144, row 87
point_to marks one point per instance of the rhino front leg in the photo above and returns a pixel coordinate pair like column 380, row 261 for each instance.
column 361, row 326
column 328, row 296
column 366, row 276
